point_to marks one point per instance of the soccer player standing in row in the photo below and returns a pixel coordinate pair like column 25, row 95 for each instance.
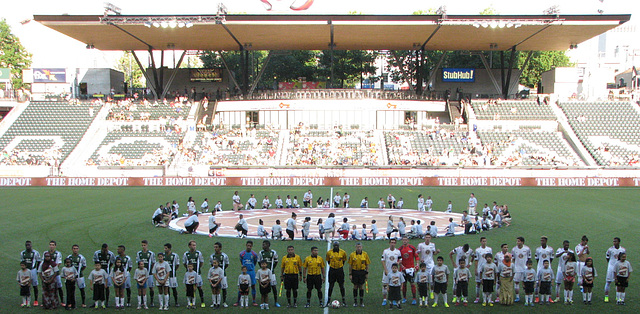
column 521, row 253
column 174, row 263
column 249, row 258
column 126, row 263
column 291, row 273
column 56, row 256
column 390, row 256
column 32, row 258
column 193, row 256
column 543, row 253
column 612, row 258
column 480, row 260
column 582, row 252
column 271, row 257
column 409, row 258
column 106, row 259
column 563, row 255
column 426, row 250
column 358, row 272
column 223, row 263
column 79, row 263
column 465, row 253
column 148, row 258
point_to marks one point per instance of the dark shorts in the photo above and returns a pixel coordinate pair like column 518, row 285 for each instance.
column 314, row 282
column 440, row 287
column 529, row 286
column 587, row 285
column 622, row 281
column 244, row 289
column 394, row 293
column 336, row 274
column 423, row 289
column 545, row 287
column 408, row 278
column 290, row 281
column 488, row 286
column 290, row 234
column 25, row 291
column 265, row 290
column 358, row 277
column 213, row 230
column 98, row 292
column 462, row 288
column 191, row 290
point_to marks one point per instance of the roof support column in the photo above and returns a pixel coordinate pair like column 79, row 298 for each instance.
column 173, row 75
column 257, row 79
column 144, row 72
column 505, row 90
column 524, row 66
column 420, row 64
column 161, row 81
column 156, row 86
column 332, row 46
column 226, row 66
column 244, row 68
column 493, row 78
column 434, row 71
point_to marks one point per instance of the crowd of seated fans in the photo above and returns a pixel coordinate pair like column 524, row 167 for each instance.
column 335, row 147
column 128, row 110
column 403, row 152
column 158, row 157
column 15, row 157
column 228, row 147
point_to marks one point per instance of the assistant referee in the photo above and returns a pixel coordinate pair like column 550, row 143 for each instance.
column 358, row 272
column 291, row 274
column 336, row 259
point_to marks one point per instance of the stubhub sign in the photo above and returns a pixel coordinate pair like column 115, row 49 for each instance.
column 458, row 75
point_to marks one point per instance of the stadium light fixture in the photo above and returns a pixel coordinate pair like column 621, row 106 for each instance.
column 493, row 24
column 476, row 24
column 147, row 24
column 181, row 24
column 164, row 24
column 156, row 24
column 173, row 24
column 188, row 25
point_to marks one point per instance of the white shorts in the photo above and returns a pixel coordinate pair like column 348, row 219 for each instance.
column 199, row 281
column 559, row 277
column 165, row 284
column 34, row 277
column 518, row 276
column 150, row 281
column 579, row 271
column 611, row 275
column 127, row 281
column 58, row 282
column 173, row 282
column 223, row 283
column 80, row 283
column 273, row 281
column 109, row 282
column 478, row 277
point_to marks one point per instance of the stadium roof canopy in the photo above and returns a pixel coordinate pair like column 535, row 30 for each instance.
column 317, row 32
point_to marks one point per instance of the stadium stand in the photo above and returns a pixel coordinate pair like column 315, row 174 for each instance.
column 133, row 148
column 337, row 147
column 528, row 148
column 46, row 132
column 126, row 110
column 435, row 147
column 512, row 110
column 609, row 130
column 234, row 147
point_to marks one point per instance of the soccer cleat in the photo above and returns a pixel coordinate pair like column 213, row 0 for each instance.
column 104, row 306
column 446, row 305
column 516, row 300
column 457, row 303
column 549, row 300
column 477, row 300
column 413, row 302
column 606, row 299
column 266, row 306
column 454, row 299
column 384, row 302
column 556, row 300
column 484, row 303
column 145, row 307
column 434, row 305
column 307, row 305
column 355, row 304
column 277, row 304
column 490, row 303
column 255, row 304
column 166, row 307
column 497, row 300
column 404, row 301
column 203, row 305
column 431, row 295
column 96, row 305
column 62, row 304
column 138, row 307
column 212, row 306
column 466, row 303
column 362, row 304
column 35, row 303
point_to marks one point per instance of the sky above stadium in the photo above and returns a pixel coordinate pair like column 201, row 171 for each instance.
column 51, row 49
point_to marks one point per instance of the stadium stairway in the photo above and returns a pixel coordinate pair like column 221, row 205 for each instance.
column 382, row 147
column 75, row 164
column 283, row 141
column 12, row 116
column 571, row 136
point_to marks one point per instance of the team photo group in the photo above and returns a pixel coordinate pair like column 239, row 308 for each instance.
column 411, row 275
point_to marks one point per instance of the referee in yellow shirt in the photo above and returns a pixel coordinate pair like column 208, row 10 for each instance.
column 336, row 259
column 358, row 272
column 291, row 274
column 313, row 274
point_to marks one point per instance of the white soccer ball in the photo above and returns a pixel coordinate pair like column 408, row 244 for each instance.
column 335, row 304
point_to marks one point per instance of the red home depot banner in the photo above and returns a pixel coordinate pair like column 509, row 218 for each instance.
column 324, row 181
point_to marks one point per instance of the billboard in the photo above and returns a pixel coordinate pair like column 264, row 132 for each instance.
column 5, row 75
column 458, row 75
column 205, row 75
column 48, row 75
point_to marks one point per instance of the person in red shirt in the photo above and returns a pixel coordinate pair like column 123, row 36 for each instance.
column 409, row 258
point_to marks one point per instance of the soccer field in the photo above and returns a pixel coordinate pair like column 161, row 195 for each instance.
column 92, row 216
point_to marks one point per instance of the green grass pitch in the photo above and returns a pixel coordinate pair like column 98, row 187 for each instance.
column 91, row 216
